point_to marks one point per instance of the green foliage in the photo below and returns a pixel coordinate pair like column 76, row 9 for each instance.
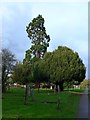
column 17, row 73
column 27, row 57
column 22, row 73
column 37, row 33
column 40, row 41
column 64, row 65
column 84, row 84
column 40, row 72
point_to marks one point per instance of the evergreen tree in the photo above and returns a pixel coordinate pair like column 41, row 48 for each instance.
column 64, row 65
column 39, row 38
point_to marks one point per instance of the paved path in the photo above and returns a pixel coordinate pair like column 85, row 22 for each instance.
column 89, row 110
column 84, row 106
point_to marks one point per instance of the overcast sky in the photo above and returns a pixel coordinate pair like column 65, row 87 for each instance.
column 65, row 22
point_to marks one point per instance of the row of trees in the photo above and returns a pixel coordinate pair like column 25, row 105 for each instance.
column 63, row 65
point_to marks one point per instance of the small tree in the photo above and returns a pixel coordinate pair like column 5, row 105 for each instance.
column 8, row 61
column 84, row 84
column 22, row 75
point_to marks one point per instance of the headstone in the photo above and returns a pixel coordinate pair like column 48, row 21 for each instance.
column 28, row 90
column 51, row 87
column 54, row 88
column 58, row 88
column 31, row 92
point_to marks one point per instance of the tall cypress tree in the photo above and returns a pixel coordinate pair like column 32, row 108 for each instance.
column 39, row 38
column 40, row 41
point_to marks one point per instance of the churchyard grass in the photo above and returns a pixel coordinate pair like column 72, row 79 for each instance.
column 42, row 105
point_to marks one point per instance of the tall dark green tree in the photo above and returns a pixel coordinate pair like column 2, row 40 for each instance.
column 40, row 41
column 39, row 38
column 64, row 65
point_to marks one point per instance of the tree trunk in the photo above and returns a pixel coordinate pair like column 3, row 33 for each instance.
column 38, row 87
column 61, row 86
column 26, row 94
column 54, row 88
column 3, row 88
column 38, row 54
column 58, row 88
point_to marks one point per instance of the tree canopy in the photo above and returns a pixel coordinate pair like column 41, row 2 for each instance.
column 63, row 64
column 60, row 66
column 39, row 38
column 40, row 41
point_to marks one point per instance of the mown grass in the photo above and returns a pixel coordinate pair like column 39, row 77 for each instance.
column 13, row 104
column 75, row 90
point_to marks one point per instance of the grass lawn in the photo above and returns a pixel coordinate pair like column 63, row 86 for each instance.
column 13, row 104
column 75, row 90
